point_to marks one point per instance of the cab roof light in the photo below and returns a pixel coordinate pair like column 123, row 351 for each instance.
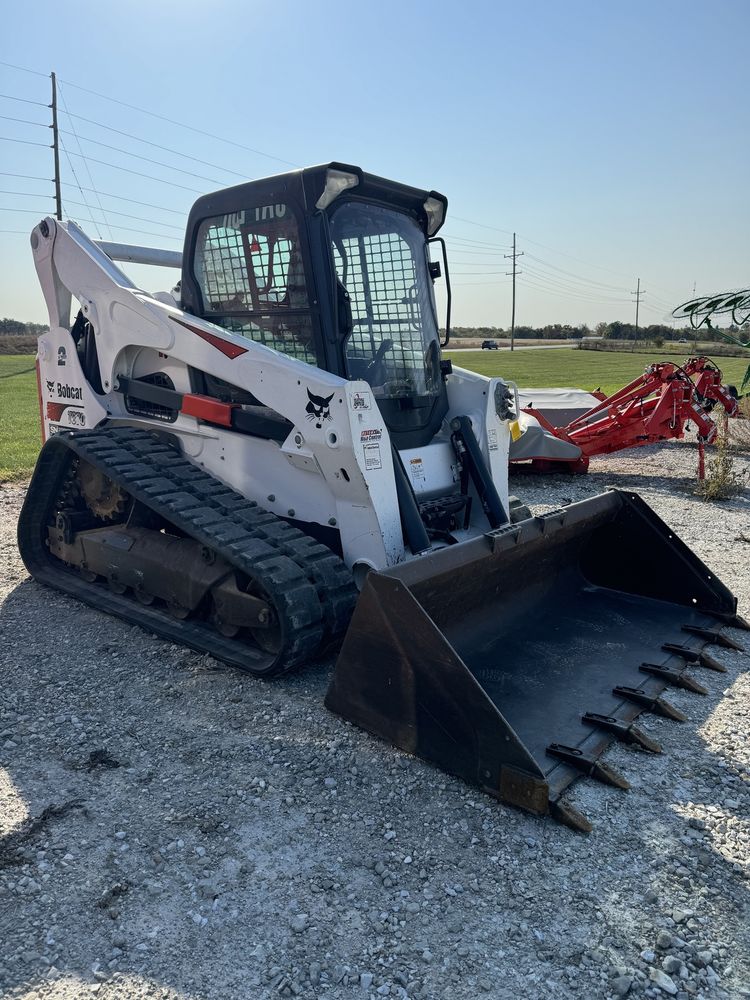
column 435, row 212
column 337, row 181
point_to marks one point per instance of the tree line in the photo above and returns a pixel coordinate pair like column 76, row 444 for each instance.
column 608, row 331
column 15, row 328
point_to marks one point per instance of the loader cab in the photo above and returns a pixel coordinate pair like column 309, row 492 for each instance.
column 330, row 266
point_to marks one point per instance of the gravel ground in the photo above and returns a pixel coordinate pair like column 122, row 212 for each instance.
column 169, row 829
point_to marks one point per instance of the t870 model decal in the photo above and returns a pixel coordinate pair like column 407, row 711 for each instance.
column 318, row 408
column 75, row 416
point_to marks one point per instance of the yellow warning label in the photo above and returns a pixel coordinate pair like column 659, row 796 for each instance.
column 515, row 430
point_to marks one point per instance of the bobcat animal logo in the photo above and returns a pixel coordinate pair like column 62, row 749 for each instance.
column 50, row 385
column 318, row 408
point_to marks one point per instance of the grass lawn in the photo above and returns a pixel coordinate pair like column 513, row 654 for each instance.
column 20, row 434
column 605, row 370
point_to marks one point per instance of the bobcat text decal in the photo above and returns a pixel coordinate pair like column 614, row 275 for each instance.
column 68, row 391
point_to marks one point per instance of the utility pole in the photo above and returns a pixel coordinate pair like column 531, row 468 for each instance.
column 638, row 293
column 56, row 148
column 514, row 272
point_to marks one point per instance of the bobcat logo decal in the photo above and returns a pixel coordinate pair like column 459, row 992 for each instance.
column 50, row 385
column 318, row 408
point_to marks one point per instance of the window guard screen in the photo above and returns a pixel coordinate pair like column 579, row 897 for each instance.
column 380, row 259
column 250, row 271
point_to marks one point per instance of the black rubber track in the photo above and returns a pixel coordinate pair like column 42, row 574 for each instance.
column 310, row 588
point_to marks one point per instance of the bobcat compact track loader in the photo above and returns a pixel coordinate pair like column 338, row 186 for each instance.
column 229, row 470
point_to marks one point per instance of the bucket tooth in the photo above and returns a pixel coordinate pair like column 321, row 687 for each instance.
column 567, row 814
column 677, row 678
column 703, row 659
column 625, row 731
column 713, row 636
column 591, row 767
column 650, row 703
column 707, row 661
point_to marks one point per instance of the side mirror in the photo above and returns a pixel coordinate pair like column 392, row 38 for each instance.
column 434, row 267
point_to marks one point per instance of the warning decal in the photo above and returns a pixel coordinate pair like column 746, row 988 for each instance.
column 372, row 456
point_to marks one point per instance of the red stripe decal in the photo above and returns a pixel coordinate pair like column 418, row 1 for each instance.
column 56, row 410
column 207, row 408
column 225, row 346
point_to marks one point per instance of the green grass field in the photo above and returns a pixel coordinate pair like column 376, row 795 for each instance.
column 20, row 434
column 19, row 410
column 577, row 369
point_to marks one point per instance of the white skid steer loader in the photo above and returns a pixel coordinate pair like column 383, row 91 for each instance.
column 281, row 460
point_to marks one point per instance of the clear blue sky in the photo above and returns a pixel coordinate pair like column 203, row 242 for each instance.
column 616, row 134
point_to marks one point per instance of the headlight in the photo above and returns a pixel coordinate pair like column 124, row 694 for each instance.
column 435, row 210
column 337, row 181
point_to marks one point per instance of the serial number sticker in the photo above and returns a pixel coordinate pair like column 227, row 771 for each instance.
column 372, row 456
column 492, row 438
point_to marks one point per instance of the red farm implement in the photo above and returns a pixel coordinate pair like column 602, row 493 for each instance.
column 654, row 407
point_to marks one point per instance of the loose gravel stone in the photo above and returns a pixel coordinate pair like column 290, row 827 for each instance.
column 662, row 980
column 267, row 841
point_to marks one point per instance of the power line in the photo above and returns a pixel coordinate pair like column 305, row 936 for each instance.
column 146, row 159
column 579, row 296
column 191, row 128
column 86, row 165
column 23, row 69
column 599, row 267
column 78, row 183
column 120, row 197
column 27, row 177
column 476, row 243
column 576, row 277
column 24, row 100
column 156, row 145
column 125, row 229
column 23, row 121
column 25, row 142
column 556, row 282
column 28, row 194
column 483, row 225
column 541, row 282
column 138, row 218
column 476, row 253
column 24, row 211
column 137, row 173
